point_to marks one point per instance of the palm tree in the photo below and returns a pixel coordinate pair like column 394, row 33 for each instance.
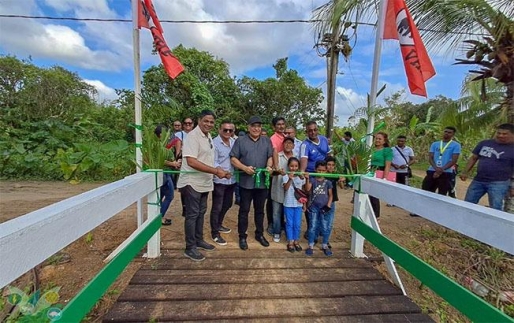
column 484, row 28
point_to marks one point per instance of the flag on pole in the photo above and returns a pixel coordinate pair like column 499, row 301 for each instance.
column 171, row 63
column 143, row 17
column 153, row 14
column 147, row 18
column 399, row 25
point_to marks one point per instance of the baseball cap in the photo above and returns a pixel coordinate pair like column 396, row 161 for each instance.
column 254, row 119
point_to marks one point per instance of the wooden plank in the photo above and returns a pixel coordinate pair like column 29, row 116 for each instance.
column 259, row 308
column 236, row 263
column 279, row 251
column 374, row 318
column 242, row 276
column 180, row 292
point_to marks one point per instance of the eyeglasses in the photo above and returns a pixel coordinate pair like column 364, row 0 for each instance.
column 228, row 130
column 210, row 141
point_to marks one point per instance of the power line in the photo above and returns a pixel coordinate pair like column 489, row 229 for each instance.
column 286, row 21
column 172, row 21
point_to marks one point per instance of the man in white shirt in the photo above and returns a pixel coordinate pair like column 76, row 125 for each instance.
column 403, row 157
column 196, row 183
column 222, row 195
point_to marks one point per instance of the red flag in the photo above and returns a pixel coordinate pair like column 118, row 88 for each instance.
column 143, row 16
column 153, row 14
column 170, row 62
column 399, row 25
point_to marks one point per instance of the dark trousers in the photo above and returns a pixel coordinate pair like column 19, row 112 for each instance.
column 375, row 205
column 196, row 206
column 401, row 178
column 259, row 199
column 442, row 184
column 222, row 198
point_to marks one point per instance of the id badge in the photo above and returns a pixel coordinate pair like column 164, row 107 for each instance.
column 439, row 163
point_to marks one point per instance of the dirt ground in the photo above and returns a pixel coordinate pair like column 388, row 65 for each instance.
column 82, row 260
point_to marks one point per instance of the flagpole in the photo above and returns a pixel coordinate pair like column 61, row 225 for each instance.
column 137, row 100
column 376, row 70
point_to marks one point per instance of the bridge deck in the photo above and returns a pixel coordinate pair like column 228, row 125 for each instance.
column 262, row 285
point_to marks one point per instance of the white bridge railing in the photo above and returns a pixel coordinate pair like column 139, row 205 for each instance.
column 28, row 240
column 487, row 225
column 493, row 227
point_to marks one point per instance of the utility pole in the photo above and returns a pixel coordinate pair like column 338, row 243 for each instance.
column 332, row 63
column 333, row 43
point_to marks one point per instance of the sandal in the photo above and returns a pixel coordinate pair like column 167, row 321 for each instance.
column 290, row 248
column 166, row 221
column 297, row 247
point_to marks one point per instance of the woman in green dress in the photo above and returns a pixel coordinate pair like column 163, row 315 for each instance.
column 380, row 160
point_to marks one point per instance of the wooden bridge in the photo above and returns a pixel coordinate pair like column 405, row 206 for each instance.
column 262, row 284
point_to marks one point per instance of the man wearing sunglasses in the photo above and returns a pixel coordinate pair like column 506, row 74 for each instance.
column 223, row 192
column 196, row 182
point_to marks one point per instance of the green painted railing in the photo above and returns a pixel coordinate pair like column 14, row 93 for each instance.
column 472, row 306
column 83, row 302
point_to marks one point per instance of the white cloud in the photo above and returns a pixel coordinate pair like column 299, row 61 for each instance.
column 60, row 43
column 105, row 93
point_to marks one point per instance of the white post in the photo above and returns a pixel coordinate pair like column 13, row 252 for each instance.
column 359, row 209
column 154, row 244
column 137, row 100
column 376, row 70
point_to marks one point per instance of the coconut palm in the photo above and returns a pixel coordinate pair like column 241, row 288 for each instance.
column 484, row 28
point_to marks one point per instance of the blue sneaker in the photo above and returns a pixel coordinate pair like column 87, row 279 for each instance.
column 327, row 252
column 309, row 251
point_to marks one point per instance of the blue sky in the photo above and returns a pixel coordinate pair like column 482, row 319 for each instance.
column 101, row 52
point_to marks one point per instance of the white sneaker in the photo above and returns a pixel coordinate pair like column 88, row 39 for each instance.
column 276, row 237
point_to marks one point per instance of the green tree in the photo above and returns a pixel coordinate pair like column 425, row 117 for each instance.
column 288, row 95
column 205, row 83
column 30, row 93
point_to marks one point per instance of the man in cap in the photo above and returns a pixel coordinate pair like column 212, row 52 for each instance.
column 252, row 154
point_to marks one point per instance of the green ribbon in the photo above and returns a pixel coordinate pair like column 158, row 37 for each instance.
column 257, row 177
column 136, row 126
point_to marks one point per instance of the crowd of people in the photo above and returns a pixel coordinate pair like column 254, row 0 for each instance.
column 284, row 177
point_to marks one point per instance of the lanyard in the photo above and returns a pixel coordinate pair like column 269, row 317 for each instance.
column 442, row 149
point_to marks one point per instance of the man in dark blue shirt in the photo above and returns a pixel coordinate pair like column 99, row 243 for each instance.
column 495, row 168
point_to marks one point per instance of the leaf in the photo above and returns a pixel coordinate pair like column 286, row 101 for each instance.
column 19, row 148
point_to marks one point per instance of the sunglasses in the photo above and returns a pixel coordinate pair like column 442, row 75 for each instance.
column 228, row 130
column 176, row 125
column 210, row 141
column 287, row 133
column 188, row 123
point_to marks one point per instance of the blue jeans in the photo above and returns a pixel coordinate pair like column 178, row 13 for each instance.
column 167, row 193
column 496, row 192
column 293, row 222
column 278, row 209
column 319, row 223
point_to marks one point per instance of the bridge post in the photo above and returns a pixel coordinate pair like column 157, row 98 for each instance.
column 153, row 201
column 359, row 211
